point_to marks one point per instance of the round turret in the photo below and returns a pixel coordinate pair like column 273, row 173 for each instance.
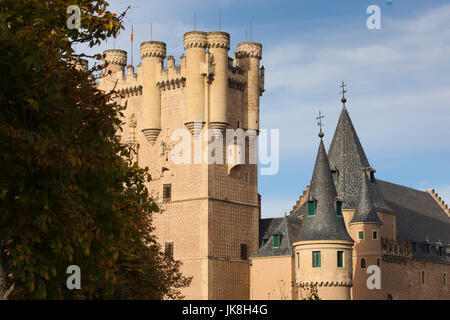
column 152, row 55
column 195, row 43
column 116, row 60
column 249, row 55
column 219, row 44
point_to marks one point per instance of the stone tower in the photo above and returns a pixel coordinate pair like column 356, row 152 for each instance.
column 210, row 211
column 323, row 251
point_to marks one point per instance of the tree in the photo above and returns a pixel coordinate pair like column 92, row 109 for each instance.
column 67, row 194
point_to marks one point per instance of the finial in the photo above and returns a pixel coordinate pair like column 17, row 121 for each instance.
column 343, row 85
column 319, row 123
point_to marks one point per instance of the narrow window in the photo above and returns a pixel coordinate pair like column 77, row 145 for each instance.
column 238, row 124
column 316, row 259
column 243, row 251
column 339, row 208
column 264, row 241
column 334, row 174
column 444, row 279
column 428, row 248
column 378, row 262
column 413, row 247
column 311, row 208
column 246, row 177
column 372, row 177
column 389, row 297
column 361, row 235
column 168, row 252
column 423, row 277
column 340, row 259
column 363, row 263
column 375, row 235
column 276, row 241
column 440, row 251
column 298, row 260
column 167, row 192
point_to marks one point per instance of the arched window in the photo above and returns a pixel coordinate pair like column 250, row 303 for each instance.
column 363, row 263
column 389, row 297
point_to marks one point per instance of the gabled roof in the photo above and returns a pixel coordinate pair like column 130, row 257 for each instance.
column 325, row 224
column 347, row 156
column 365, row 211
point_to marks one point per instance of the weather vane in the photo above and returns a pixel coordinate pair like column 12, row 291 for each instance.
column 343, row 85
column 320, row 124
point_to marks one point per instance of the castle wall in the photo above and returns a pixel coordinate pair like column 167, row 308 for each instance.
column 272, row 278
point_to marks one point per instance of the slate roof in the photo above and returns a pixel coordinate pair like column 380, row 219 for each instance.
column 419, row 219
column 325, row 224
column 365, row 211
column 286, row 228
column 347, row 156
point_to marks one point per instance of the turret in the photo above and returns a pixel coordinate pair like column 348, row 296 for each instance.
column 195, row 43
column 115, row 61
column 249, row 55
column 152, row 55
column 324, row 247
column 365, row 229
column 219, row 44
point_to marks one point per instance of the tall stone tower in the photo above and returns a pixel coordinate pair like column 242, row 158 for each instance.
column 210, row 211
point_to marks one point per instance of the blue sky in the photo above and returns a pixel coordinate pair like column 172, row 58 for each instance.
column 398, row 79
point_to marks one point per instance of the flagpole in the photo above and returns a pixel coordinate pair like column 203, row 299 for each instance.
column 131, row 45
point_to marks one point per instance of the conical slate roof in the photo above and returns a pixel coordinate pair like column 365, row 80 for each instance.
column 347, row 156
column 365, row 211
column 325, row 224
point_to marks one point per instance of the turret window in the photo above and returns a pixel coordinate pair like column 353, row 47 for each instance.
column 334, row 174
column 264, row 241
column 374, row 235
column 316, row 259
column 363, row 263
column 311, row 208
column 298, row 260
column 339, row 208
column 361, row 235
column 340, row 259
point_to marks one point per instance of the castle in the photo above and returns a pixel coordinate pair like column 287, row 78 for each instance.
column 345, row 221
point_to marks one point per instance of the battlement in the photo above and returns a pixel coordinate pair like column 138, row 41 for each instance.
column 195, row 39
column 219, row 39
column 115, row 56
column 156, row 49
column 439, row 201
column 249, row 50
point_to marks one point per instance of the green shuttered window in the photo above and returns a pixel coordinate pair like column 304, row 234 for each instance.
column 311, row 208
column 316, row 259
column 276, row 241
column 340, row 259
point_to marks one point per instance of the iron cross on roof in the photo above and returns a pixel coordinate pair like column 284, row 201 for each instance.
column 343, row 85
column 320, row 124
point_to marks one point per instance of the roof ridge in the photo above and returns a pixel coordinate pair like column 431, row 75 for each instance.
column 439, row 201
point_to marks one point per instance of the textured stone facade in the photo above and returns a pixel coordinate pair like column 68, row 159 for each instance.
column 213, row 211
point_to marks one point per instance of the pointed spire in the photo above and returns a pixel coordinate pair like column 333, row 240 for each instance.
column 365, row 211
column 347, row 157
column 325, row 224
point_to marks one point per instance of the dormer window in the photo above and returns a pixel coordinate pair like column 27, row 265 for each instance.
column 311, row 208
column 334, row 174
column 372, row 176
column 276, row 241
column 339, row 208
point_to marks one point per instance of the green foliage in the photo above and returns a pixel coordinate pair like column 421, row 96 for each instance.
column 66, row 194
